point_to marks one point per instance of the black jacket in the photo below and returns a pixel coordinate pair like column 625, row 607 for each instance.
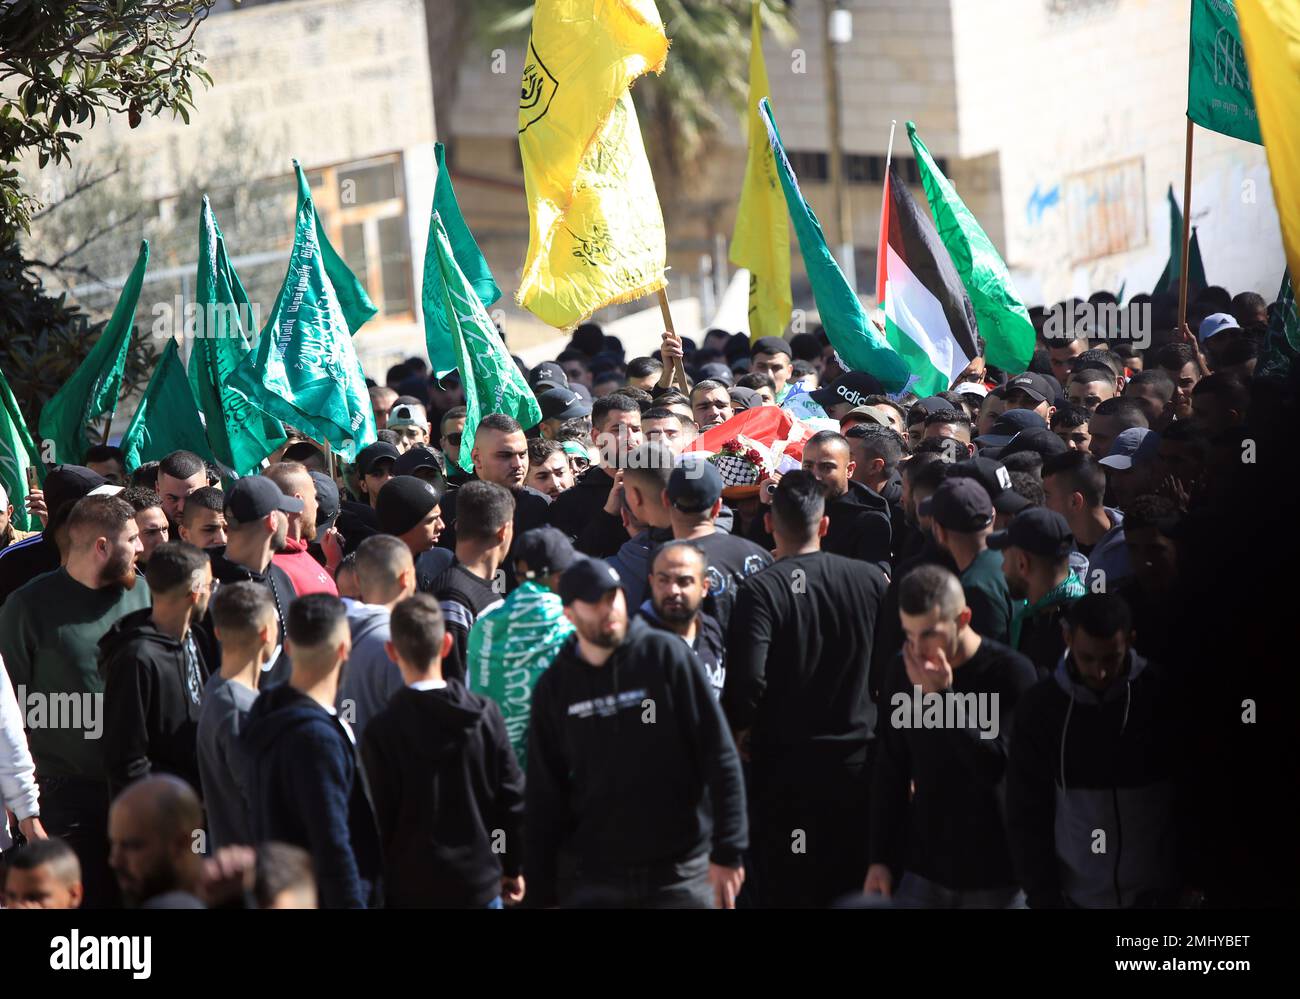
column 282, row 592
column 448, row 796
column 153, row 686
column 580, row 513
column 356, row 522
column 24, row 561
column 1085, row 763
column 630, row 763
column 889, row 632
column 307, row 790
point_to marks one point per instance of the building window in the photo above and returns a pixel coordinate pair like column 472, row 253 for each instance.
column 812, row 167
column 363, row 207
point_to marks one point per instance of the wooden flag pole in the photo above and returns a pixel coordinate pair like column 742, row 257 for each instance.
column 678, row 368
column 108, row 427
column 1187, row 229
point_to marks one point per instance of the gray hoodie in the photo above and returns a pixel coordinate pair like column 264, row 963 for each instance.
column 369, row 678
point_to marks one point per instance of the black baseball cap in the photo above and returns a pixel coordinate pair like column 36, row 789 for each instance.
column 587, row 579
column 852, row 388
column 1037, row 439
column 545, row 550
column 562, row 404
column 547, row 375
column 771, row 345
column 1039, row 531
column 327, row 500
column 376, row 452
column 422, row 458
column 1010, row 423
column 995, row 479
column 1034, row 385
column 743, row 398
column 718, row 372
column 959, row 504
column 694, row 486
column 252, row 497
column 68, row 483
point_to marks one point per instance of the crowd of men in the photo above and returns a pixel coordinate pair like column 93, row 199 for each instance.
column 1006, row 645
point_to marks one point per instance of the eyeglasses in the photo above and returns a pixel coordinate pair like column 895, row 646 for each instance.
column 454, row 439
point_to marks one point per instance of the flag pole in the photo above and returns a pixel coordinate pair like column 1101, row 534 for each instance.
column 1187, row 229
column 108, row 427
column 884, row 207
column 678, row 368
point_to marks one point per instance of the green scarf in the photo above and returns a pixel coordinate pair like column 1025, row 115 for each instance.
column 1067, row 591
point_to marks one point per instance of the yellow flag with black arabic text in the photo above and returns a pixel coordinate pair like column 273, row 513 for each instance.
column 596, row 233
column 761, row 238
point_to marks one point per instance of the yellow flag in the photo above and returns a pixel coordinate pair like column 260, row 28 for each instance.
column 596, row 234
column 761, row 239
column 1270, row 33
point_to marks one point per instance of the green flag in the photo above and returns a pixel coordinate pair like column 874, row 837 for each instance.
column 491, row 381
column 1218, row 83
column 167, row 419
column 509, row 649
column 1002, row 317
column 239, row 434
column 304, row 369
column 437, row 332
column 351, row 293
column 92, row 391
column 1173, row 269
column 1282, row 342
column 17, row 455
column 859, row 344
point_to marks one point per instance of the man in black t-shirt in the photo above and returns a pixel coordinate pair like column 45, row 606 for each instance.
column 799, row 655
column 475, row 582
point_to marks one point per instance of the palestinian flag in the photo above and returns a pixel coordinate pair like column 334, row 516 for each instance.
column 928, row 315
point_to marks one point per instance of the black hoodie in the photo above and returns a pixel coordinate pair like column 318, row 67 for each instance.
column 448, row 797
column 153, row 685
column 580, row 513
column 625, row 760
column 282, row 592
column 307, row 790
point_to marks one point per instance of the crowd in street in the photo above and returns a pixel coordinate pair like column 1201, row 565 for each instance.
column 1009, row 645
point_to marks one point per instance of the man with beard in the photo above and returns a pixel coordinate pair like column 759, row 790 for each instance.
column 679, row 582
column 179, row 474
column 619, row 811
column 307, row 574
column 49, row 642
column 151, row 831
column 154, row 665
column 256, row 528
column 549, row 471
